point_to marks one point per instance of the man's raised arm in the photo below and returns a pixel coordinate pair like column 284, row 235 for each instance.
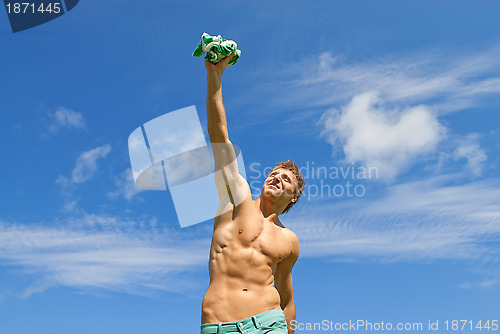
column 229, row 182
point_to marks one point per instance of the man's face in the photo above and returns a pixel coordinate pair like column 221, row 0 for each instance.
column 281, row 184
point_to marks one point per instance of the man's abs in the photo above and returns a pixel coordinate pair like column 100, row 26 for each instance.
column 232, row 302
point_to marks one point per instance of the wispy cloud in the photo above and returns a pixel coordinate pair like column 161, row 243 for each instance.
column 482, row 284
column 418, row 221
column 386, row 112
column 84, row 169
column 66, row 118
column 470, row 150
column 422, row 220
column 125, row 186
column 103, row 252
column 85, row 166
column 448, row 82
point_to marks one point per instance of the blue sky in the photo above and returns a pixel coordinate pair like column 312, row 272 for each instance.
column 409, row 89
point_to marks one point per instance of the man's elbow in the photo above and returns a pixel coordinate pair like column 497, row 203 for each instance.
column 289, row 311
column 287, row 302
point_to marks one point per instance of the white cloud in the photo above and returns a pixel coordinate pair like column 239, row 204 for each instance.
column 470, row 149
column 484, row 284
column 125, row 186
column 66, row 118
column 86, row 164
column 104, row 252
column 422, row 86
column 422, row 220
column 449, row 83
column 385, row 139
column 70, row 206
column 84, row 170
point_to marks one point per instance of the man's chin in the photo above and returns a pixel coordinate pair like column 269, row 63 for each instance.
column 275, row 193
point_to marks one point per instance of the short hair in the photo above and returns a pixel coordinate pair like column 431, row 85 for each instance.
column 291, row 166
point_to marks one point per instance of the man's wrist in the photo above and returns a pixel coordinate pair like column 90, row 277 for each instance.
column 211, row 74
column 214, row 81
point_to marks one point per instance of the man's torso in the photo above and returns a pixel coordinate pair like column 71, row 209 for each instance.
column 246, row 248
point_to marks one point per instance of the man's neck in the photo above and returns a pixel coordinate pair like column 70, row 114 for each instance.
column 268, row 208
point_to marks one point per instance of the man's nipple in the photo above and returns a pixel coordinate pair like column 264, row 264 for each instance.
column 240, row 231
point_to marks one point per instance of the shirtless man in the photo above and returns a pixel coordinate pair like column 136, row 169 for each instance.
column 252, row 253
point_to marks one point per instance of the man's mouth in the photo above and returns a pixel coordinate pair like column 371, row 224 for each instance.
column 273, row 185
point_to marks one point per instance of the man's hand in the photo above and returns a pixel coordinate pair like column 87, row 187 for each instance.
column 220, row 66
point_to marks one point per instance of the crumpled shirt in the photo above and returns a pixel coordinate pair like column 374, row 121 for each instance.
column 217, row 48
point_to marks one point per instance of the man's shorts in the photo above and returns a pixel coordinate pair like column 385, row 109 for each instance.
column 270, row 322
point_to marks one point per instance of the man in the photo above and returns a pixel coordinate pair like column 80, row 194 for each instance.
column 252, row 253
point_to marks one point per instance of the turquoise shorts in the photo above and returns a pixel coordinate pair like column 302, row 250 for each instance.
column 270, row 322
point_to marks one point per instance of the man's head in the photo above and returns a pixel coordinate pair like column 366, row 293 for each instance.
column 285, row 183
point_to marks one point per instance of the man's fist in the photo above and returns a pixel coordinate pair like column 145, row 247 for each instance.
column 220, row 66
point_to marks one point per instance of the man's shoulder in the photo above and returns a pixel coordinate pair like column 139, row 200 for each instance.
column 292, row 239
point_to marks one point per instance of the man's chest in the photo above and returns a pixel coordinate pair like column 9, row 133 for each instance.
column 263, row 240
